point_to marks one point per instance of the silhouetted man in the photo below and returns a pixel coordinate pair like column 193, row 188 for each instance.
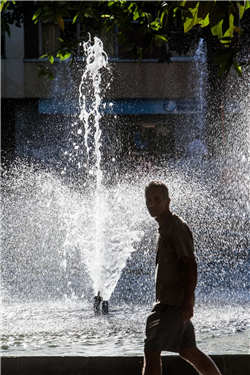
column 168, row 326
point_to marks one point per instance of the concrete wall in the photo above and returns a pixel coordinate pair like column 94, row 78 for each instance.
column 172, row 365
column 12, row 67
column 147, row 79
column 154, row 80
column 177, row 80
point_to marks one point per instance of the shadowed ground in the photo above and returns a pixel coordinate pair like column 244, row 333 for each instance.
column 172, row 365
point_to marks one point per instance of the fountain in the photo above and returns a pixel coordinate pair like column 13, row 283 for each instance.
column 66, row 241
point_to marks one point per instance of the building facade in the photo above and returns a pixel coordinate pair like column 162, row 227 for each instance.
column 151, row 109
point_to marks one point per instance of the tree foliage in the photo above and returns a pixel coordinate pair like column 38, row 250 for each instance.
column 155, row 21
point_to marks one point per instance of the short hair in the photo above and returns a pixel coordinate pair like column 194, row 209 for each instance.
column 160, row 184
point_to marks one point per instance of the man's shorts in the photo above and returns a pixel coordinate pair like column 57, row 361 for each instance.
column 165, row 330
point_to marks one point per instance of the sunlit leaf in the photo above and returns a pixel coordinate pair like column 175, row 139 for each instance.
column 161, row 37
column 136, row 15
column 65, row 57
column 192, row 21
column 51, row 59
column 241, row 9
column 37, row 14
column 2, row 2
column 155, row 25
column 217, row 30
column 60, row 23
column 230, row 31
column 205, row 22
column 247, row 4
column 237, row 67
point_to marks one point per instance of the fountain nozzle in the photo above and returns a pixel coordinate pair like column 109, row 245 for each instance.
column 98, row 300
column 105, row 307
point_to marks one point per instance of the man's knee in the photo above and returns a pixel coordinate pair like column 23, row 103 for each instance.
column 202, row 363
column 189, row 354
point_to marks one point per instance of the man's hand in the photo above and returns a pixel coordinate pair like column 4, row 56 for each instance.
column 187, row 312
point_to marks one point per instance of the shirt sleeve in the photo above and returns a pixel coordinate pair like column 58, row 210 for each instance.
column 183, row 243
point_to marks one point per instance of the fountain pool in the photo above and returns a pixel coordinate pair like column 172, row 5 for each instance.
column 69, row 328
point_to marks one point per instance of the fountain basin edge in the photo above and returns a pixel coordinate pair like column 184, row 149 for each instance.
column 172, row 364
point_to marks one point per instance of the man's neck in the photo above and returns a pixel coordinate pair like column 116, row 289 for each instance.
column 163, row 217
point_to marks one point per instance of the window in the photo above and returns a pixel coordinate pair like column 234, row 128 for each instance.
column 50, row 34
column 49, row 38
column 43, row 38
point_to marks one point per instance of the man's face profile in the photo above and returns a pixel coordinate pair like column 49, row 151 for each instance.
column 157, row 203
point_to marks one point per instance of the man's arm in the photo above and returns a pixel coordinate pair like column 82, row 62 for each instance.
column 190, row 281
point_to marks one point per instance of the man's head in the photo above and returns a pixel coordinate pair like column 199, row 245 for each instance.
column 157, row 199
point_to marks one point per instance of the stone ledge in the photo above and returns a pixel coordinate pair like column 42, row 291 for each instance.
column 172, row 365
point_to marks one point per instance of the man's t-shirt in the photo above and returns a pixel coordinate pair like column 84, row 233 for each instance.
column 175, row 240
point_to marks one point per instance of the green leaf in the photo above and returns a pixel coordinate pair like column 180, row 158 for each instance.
column 203, row 10
column 155, row 25
column 220, row 60
column 37, row 14
column 149, row 17
column 217, row 30
column 72, row 60
column 89, row 12
column 65, row 57
column 247, row 5
column 225, row 25
column 41, row 57
column 51, row 76
column 215, row 16
column 192, row 21
column 75, row 18
column 242, row 9
column 237, row 67
column 231, row 28
column 205, row 22
column 51, row 59
column 136, row 15
column 161, row 37
column 2, row 4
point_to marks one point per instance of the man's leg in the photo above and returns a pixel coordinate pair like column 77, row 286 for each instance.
column 152, row 362
column 201, row 362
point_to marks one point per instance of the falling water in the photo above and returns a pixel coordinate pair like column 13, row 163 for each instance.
column 200, row 62
column 103, row 255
